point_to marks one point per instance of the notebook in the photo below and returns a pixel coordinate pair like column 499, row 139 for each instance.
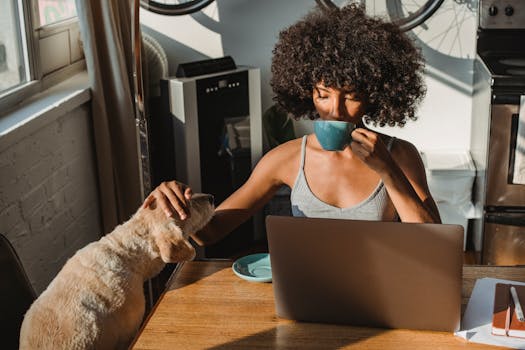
column 504, row 318
column 367, row 273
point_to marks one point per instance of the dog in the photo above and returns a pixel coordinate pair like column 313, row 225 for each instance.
column 97, row 301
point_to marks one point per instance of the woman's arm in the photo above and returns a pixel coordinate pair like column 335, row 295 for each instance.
column 242, row 204
column 407, row 186
column 278, row 167
column 403, row 174
column 266, row 178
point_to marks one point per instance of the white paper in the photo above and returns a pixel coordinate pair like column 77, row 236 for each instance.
column 476, row 325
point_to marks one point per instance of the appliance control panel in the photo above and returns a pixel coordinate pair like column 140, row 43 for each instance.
column 502, row 14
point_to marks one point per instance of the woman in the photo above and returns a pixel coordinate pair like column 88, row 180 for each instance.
column 335, row 65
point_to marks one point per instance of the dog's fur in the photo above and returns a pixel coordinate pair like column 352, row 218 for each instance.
column 97, row 301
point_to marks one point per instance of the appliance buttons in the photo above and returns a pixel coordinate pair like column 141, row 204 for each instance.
column 509, row 10
column 493, row 10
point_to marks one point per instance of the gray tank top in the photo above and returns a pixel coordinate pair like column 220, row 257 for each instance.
column 377, row 206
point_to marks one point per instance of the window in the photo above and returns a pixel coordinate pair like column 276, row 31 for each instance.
column 52, row 11
column 13, row 63
column 39, row 46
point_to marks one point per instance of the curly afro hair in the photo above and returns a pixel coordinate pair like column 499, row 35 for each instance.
column 345, row 47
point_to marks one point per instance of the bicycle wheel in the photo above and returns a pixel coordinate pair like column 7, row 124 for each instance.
column 174, row 7
column 406, row 14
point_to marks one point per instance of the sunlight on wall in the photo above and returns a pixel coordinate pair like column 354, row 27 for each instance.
column 448, row 43
column 248, row 30
column 187, row 31
column 440, row 125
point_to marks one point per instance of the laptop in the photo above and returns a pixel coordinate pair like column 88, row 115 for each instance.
column 367, row 273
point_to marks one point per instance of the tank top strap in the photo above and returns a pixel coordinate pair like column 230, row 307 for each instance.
column 390, row 143
column 303, row 151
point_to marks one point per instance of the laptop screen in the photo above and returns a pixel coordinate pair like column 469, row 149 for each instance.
column 367, row 273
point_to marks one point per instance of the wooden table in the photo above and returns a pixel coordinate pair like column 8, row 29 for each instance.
column 206, row 306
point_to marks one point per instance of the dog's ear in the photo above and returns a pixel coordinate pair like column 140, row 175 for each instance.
column 173, row 247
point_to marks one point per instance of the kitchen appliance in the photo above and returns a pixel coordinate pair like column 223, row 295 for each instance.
column 217, row 136
column 450, row 177
column 498, row 126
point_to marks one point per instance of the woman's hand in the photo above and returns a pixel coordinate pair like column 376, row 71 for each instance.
column 172, row 197
column 369, row 147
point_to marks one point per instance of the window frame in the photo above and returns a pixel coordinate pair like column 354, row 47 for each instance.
column 34, row 35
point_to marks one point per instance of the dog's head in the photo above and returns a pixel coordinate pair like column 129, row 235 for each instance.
column 171, row 234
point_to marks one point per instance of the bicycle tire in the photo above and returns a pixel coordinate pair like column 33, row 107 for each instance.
column 406, row 23
column 184, row 8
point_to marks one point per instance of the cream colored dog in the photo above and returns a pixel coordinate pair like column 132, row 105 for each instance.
column 96, row 301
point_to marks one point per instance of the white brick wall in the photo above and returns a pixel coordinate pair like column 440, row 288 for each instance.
column 48, row 194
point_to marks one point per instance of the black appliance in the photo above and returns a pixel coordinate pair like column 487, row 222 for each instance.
column 217, row 139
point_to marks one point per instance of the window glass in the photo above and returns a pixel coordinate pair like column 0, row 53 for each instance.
column 52, row 11
column 13, row 66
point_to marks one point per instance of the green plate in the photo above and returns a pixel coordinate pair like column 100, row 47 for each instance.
column 254, row 268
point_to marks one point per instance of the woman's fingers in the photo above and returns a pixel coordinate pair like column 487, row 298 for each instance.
column 172, row 197
column 364, row 137
column 367, row 145
column 360, row 151
column 148, row 201
column 367, row 133
column 175, row 193
column 188, row 193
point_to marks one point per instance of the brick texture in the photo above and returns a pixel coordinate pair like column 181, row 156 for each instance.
column 48, row 195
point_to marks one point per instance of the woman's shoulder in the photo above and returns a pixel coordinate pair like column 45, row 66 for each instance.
column 282, row 161
column 400, row 147
column 286, row 151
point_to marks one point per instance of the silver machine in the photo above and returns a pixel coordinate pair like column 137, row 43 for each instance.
column 498, row 132
column 217, row 137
